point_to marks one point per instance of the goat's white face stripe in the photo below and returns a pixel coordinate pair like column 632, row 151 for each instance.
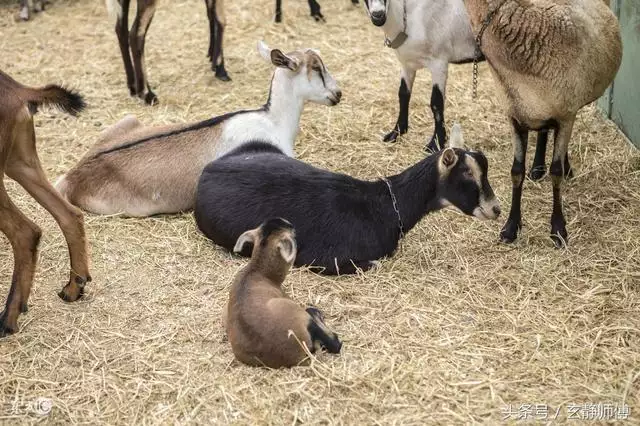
column 377, row 6
column 485, row 209
column 472, row 164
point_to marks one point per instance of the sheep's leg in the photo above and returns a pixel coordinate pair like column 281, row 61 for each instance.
column 538, row 168
column 25, row 168
column 439, row 71
column 217, row 22
column 137, row 38
column 562, row 135
column 314, row 7
column 404, row 95
column 122, row 31
column 278, row 16
column 520, row 135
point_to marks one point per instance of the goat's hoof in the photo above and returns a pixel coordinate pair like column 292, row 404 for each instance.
column 432, row 148
column 318, row 17
column 6, row 329
column 559, row 236
column 509, row 231
column 433, row 145
column 151, row 99
column 24, row 308
column 278, row 19
column 537, row 173
column 23, row 15
column 74, row 289
column 354, row 2
column 392, row 135
column 38, row 6
column 221, row 74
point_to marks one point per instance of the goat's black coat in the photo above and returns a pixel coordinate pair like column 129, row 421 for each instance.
column 340, row 221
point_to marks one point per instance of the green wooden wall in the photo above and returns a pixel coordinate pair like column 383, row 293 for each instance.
column 621, row 101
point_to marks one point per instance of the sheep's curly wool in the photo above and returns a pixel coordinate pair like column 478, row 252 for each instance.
column 550, row 57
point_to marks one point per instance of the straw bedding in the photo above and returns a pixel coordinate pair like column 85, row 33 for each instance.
column 452, row 329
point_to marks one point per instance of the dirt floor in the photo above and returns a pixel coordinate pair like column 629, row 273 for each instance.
column 455, row 328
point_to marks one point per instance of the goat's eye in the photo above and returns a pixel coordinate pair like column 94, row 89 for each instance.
column 468, row 174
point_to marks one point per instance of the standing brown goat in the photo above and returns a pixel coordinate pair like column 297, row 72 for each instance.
column 264, row 326
column 19, row 160
column 132, row 43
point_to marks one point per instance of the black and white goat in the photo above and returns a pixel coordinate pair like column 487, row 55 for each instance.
column 342, row 223
column 424, row 34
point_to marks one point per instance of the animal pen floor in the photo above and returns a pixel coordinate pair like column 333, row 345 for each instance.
column 452, row 329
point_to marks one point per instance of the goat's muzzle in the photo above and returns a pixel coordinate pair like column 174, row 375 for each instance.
column 378, row 18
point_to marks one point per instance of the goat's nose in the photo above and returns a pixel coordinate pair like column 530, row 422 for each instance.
column 338, row 94
column 496, row 210
column 378, row 18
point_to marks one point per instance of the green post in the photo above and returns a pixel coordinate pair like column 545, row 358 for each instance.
column 621, row 101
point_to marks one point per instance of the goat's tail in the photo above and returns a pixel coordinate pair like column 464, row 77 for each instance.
column 64, row 99
column 114, row 8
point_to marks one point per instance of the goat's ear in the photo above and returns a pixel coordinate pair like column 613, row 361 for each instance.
column 264, row 51
column 456, row 139
column 281, row 60
column 287, row 248
column 250, row 236
column 448, row 159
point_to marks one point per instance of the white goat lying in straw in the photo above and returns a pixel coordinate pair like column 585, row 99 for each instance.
column 550, row 58
column 142, row 171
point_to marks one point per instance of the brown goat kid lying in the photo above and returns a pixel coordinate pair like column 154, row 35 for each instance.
column 264, row 326
column 550, row 58
column 19, row 160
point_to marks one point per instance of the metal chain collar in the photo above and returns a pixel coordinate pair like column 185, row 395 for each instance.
column 478, row 52
column 395, row 207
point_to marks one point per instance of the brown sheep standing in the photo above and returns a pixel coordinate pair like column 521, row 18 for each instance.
column 550, row 58
column 264, row 326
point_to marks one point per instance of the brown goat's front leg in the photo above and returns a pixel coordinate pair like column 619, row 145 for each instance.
column 562, row 136
column 24, row 236
column 217, row 22
column 137, row 38
column 520, row 135
column 24, row 168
